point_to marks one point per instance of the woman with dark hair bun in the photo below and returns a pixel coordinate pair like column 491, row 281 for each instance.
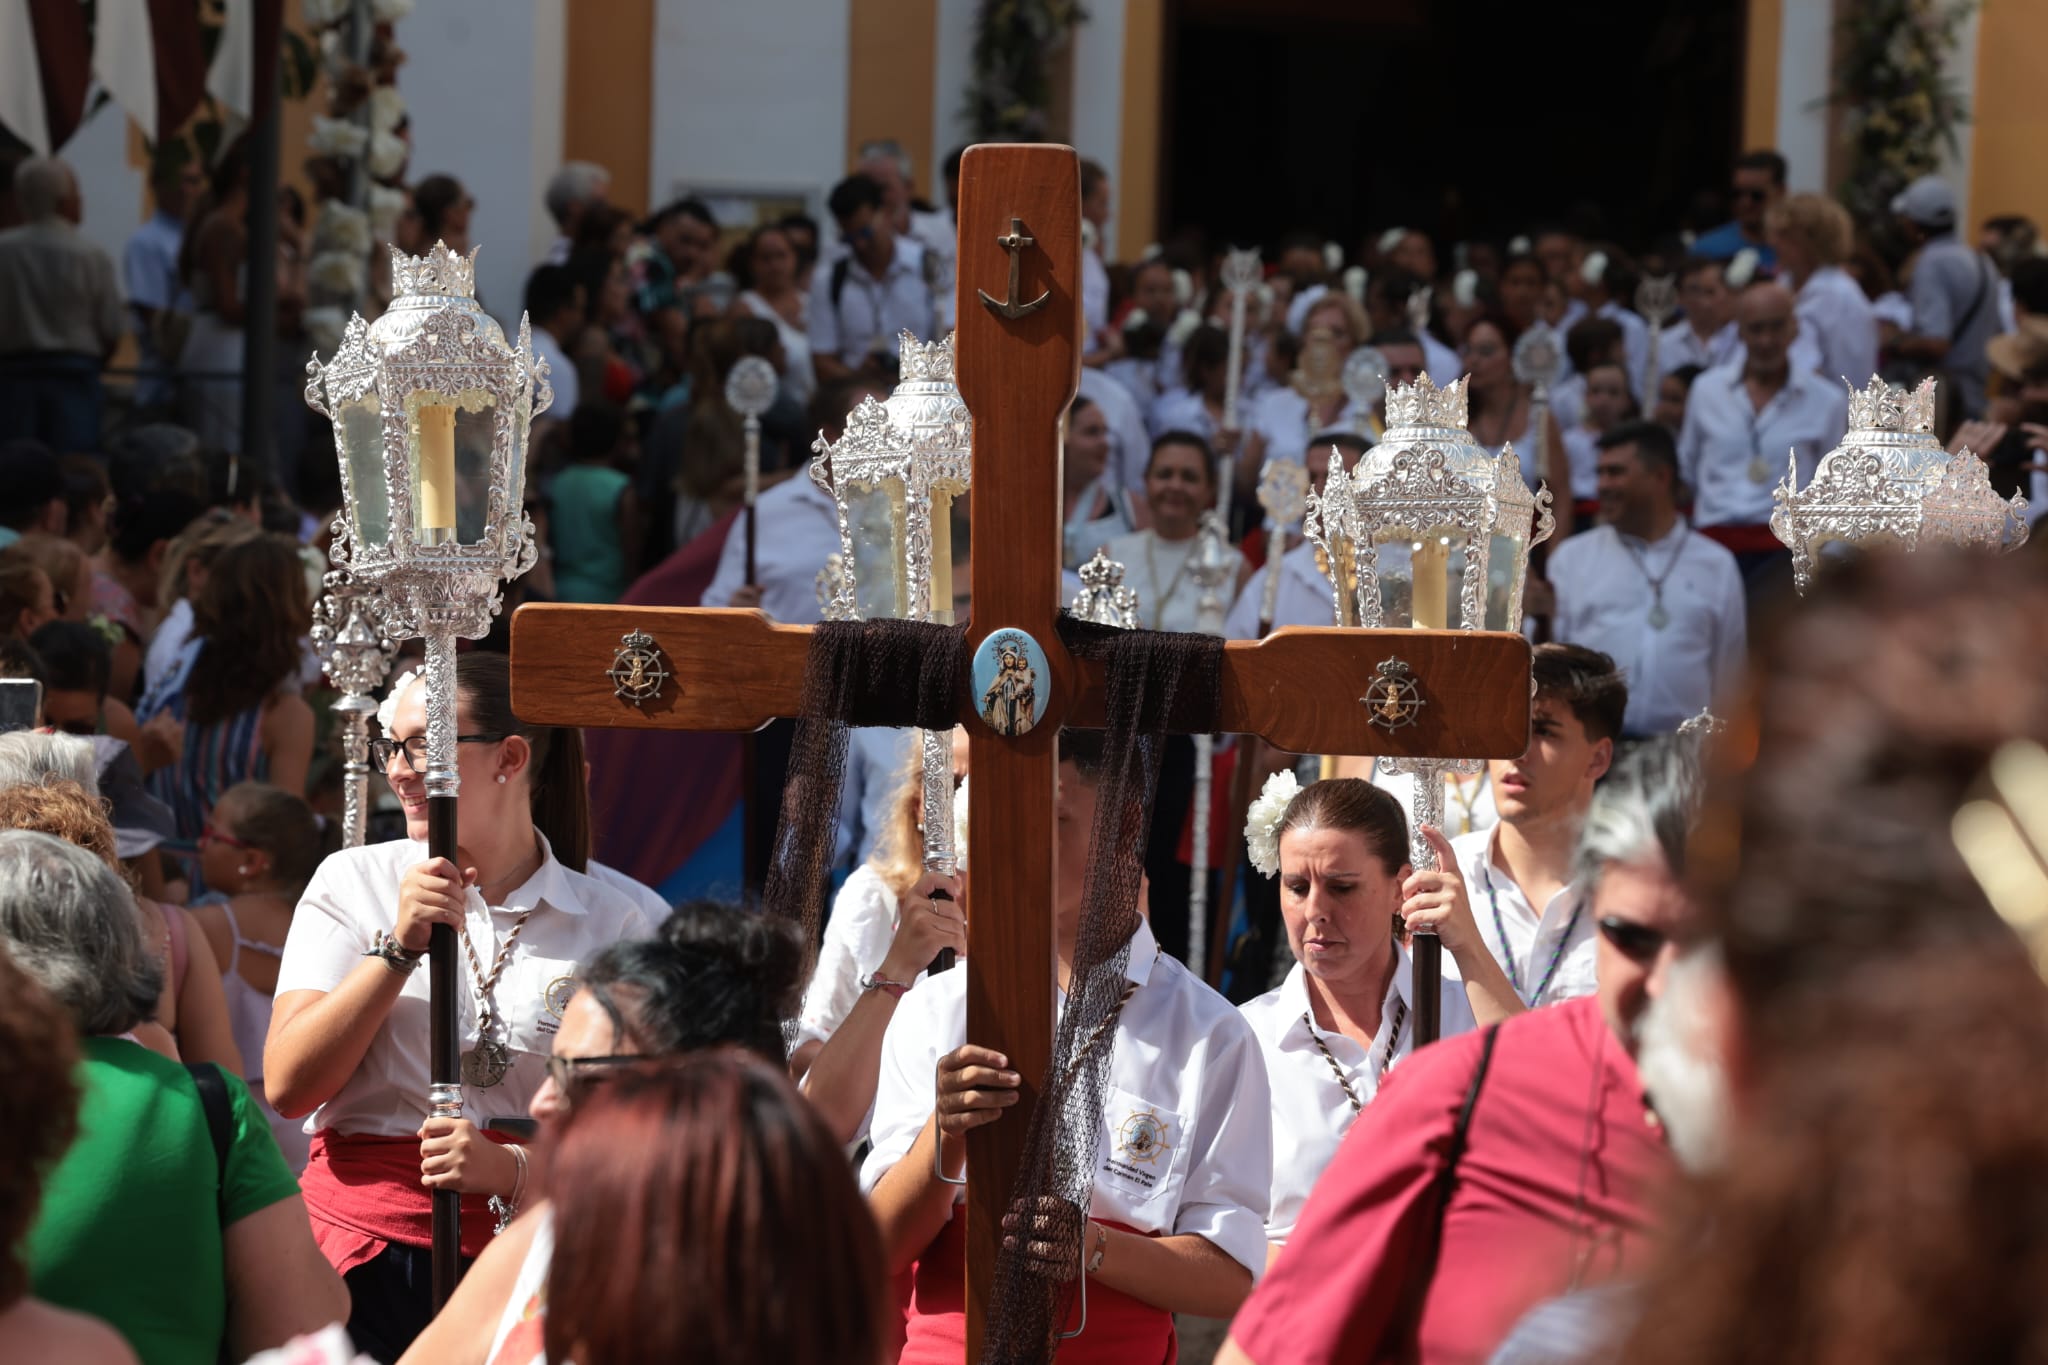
column 711, row 976
column 347, row 1048
column 714, row 1218
column 1343, row 1017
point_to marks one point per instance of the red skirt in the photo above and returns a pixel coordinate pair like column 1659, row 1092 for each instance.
column 364, row 1193
column 1120, row 1329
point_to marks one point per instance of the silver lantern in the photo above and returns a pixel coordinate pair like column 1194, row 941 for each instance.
column 1890, row 483
column 355, row 652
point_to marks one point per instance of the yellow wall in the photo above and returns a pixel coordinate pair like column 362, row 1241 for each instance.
column 892, row 65
column 1760, row 73
column 608, row 95
column 2009, row 114
column 1137, row 198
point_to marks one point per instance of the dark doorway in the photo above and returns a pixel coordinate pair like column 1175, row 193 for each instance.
column 1469, row 119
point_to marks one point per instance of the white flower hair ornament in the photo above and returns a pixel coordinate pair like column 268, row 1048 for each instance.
column 1354, row 283
column 1333, row 256
column 1262, row 821
column 1742, row 269
column 1465, row 288
column 387, row 709
column 1185, row 324
column 1594, row 269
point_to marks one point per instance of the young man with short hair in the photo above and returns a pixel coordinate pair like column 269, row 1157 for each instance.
column 874, row 288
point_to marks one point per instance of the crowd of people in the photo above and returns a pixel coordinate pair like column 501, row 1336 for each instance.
column 1706, row 1043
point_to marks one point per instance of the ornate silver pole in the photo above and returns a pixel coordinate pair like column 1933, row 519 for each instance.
column 1365, row 382
column 1283, row 492
column 1657, row 302
column 1210, row 569
column 749, row 391
column 1240, row 275
column 355, row 654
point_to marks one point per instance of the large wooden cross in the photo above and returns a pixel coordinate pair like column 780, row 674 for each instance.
column 1302, row 690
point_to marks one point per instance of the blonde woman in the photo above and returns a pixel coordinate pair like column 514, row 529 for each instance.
column 887, row 924
column 1813, row 235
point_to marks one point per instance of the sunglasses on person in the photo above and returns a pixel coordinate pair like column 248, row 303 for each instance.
column 415, row 749
column 213, row 834
column 1637, row 942
column 575, row 1075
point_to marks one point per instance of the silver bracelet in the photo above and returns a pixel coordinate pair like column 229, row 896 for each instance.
column 387, row 949
column 508, row 1209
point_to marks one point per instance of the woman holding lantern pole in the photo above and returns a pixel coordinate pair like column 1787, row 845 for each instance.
column 348, row 1038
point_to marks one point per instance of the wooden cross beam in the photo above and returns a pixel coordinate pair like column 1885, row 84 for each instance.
column 1301, row 690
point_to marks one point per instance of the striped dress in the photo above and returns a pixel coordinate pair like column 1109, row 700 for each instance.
column 217, row 755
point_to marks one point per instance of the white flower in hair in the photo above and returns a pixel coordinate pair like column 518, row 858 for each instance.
column 1594, row 269
column 1089, row 236
column 388, row 708
column 1135, row 319
column 1354, row 283
column 960, row 824
column 1183, row 287
column 1518, row 246
column 1390, row 239
column 1333, row 256
column 1262, row 821
column 1152, row 249
column 1742, row 269
column 1465, row 288
column 1185, row 324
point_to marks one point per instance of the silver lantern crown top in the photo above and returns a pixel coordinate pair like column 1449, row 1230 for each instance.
column 919, row 445
column 1427, row 477
column 434, row 353
column 1890, row 482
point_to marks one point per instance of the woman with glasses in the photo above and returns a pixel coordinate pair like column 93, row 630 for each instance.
column 712, row 975
column 348, row 1038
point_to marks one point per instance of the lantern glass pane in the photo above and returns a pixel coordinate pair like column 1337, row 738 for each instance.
column 874, row 515
column 475, row 429
column 450, row 466
column 1503, row 560
column 360, row 432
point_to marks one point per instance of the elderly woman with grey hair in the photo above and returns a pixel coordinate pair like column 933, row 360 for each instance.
column 172, row 1217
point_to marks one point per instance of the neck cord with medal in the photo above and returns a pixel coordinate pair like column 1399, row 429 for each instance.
column 486, row 1064
column 1102, row 1029
column 1759, row 472
column 1160, row 599
column 1507, row 949
column 1659, row 618
column 1468, row 806
column 1386, row 1058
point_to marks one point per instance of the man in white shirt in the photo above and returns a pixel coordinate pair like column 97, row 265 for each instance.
column 1740, row 422
column 1663, row 601
column 886, row 163
column 1186, row 1157
column 555, row 307
column 149, row 272
column 798, row 528
column 864, row 298
column 573, row 191
column 1518, row 875
column 1705, row 336
column 1095, row 205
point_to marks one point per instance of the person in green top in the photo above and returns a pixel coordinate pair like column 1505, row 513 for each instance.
column 594, row 513
column 186, row 1250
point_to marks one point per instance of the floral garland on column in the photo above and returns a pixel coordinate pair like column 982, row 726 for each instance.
column 366, row 122
column 1011, row 84
column 1900, row 111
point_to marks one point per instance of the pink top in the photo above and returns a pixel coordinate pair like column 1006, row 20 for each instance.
column 1555, row 1191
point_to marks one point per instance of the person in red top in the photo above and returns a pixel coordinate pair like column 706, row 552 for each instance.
column 1538, row 1129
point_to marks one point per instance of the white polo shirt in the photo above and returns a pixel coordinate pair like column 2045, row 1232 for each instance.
column 354, row 895
column 1310, row 1112
column 798, row 532
column 1837, row 327
column 646, row 897
column 1679, row 345
column 1532, row 941
column 1726, row 441
column 1307, row 598
column 870, row 311
column 1186, row 1140
column 1635, row 343
column 1604, row 601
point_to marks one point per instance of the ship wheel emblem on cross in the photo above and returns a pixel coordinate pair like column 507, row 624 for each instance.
column 1392, row 700
column 638, row 673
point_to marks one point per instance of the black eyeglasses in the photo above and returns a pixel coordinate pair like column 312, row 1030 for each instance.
column 573, row 1075
column 1741, row 192
column 1636, row 942
column 415, row 749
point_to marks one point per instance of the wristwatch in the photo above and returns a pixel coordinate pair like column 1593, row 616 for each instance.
column 393, row 954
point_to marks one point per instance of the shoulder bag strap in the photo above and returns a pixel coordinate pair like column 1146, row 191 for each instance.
column 220, row 1123
column 1403, row 1341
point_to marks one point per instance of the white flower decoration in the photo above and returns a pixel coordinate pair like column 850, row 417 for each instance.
column 1135, row 319
column 1594, row 269
column 1465, row 288
column 337, row 137
column 1742, row 269
column 324, row 328
column 388, row 708
column 390, row 11
column 960, row 824
column 341, row 228
column 387, row 107
column 1151, row 250
column 1185, row 324
column 337, row 273
column 386, row 205
column 1183, row 287
column 1089, row 236
column 1391, row 238
column 1333, row 256
column 1262, row 821
column 1518, row 245
column 1354, row 283
column 387, row 155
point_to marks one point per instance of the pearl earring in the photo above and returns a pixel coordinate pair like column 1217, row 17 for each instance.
column 501, row 778
column 243, row 870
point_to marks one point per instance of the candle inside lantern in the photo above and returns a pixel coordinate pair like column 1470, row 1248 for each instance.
column 1432, row 590
column 942, row 558
column 437, row 467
